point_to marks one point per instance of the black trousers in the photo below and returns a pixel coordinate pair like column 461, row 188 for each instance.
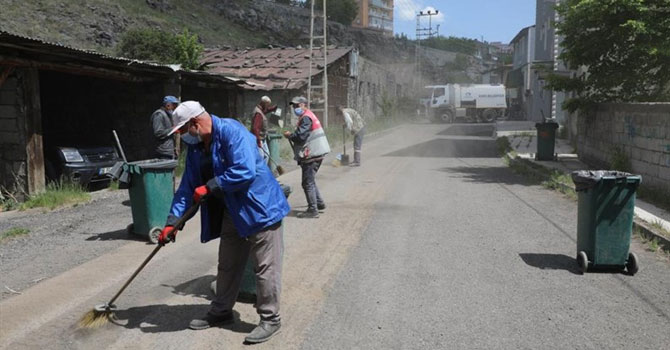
column 309, row 170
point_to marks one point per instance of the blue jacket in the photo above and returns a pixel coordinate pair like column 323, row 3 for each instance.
column 241, row 179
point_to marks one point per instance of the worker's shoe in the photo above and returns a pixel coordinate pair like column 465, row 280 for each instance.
column 321, row 206
column 355, row 164
column 264, row 331
column 212, row 321
column 308, row 214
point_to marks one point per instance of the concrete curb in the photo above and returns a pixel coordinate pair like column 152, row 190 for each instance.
column 642, row 226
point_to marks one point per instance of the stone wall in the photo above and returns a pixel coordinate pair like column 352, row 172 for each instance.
column 12, row 145
column 640, row 131
column 372, row 83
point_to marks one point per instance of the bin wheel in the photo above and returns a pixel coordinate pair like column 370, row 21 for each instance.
column 130, row 229
column 154, row 233
column 582, row 261
column 633, row 264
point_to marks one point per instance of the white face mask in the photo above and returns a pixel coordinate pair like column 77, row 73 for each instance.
column 190, row 139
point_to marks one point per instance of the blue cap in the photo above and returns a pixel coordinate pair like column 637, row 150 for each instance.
column 170, row 99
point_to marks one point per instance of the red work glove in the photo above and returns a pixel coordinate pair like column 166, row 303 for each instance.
column 199, row 193
column 164, row 239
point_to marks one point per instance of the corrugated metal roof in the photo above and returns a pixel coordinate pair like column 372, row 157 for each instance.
column 270, row 69
column 94, row 58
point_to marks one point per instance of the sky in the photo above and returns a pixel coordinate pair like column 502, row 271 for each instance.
column 495, row 20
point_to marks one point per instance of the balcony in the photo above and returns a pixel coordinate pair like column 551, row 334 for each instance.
column 381, row 4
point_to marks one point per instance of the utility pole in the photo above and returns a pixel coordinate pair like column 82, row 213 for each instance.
column 422, row 32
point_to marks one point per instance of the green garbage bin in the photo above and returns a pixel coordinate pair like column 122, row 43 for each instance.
column 150, row 195
column 606, row 202
column 273, row 146
column 546, row 140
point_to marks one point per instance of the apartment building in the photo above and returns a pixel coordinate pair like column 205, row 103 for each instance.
column 375, row 14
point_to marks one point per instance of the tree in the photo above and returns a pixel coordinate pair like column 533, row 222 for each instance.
column 162, row 47
column 188, row 50
column 624, row 46
column 342, row 11
column 148, row 44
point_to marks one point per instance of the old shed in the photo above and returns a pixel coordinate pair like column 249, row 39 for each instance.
column 52, row 95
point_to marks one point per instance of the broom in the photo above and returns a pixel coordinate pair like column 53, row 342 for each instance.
column 280, row 169
column 101, row 314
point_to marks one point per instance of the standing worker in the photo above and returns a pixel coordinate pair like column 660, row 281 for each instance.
column 161, row 125
column 259, row 125
column 310, row 147
column 240, row 202
column 354, row 123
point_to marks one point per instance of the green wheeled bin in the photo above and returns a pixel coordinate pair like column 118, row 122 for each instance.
column 606, row 203
column 151, row 191
column 546, row 140
column 273, row 146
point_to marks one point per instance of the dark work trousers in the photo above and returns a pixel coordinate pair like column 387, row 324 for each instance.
column 309, row 170
column 358, row 143
column 265, row 249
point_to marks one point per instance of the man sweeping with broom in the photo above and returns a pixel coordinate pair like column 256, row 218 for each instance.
column 240, row 202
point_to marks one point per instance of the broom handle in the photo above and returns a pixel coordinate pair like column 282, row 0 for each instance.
column 179, row 223
column 272, row 160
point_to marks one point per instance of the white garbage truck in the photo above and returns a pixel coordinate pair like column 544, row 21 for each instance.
column 468, row 102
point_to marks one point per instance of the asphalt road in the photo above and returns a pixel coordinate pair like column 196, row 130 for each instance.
column 432, row 244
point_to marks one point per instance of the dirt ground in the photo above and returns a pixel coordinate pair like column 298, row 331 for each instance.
column 61, row 239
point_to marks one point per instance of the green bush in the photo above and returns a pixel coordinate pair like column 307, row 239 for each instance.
column 161, row 47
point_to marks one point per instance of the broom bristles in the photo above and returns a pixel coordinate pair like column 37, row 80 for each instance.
column 280, row 170
column 95, row 319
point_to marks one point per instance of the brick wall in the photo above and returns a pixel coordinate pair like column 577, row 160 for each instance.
column 641, row 131
column 12, row 144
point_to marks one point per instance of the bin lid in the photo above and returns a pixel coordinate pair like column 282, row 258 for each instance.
column 586, row 179
column 547, row 125
column 154, row 164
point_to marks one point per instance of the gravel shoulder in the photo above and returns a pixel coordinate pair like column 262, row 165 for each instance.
column 61, row 239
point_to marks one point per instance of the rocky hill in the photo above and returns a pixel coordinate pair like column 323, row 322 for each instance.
column 100, row 24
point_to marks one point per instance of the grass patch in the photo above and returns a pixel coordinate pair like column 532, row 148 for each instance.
column 561, row 182
column 656, row 225
column 503, row 145
column 57, row 194
column 113, row 185
column 14, row 232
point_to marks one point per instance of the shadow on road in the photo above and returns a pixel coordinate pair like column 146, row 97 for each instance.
column 447, row 148
column 197, row 287
column 117, row 235
column 551, row 262
column 500, row 175
column 170, row 318
column 469, row 130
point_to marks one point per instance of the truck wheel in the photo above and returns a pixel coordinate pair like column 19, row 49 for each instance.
column 447, row 116
column 489, row 115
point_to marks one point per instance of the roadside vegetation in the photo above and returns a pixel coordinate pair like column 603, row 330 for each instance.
column 13, row 233
column 162, row 47
column 57, row 194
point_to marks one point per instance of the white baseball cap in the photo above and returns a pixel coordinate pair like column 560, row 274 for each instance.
column 184, row 112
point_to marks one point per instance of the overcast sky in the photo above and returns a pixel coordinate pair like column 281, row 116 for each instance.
column 495, row 20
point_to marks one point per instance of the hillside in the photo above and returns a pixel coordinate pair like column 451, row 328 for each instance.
column 100, row 24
